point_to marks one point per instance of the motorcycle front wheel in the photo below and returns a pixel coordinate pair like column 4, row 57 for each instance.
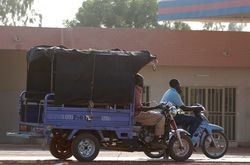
column 217, row 148
column 178, row 152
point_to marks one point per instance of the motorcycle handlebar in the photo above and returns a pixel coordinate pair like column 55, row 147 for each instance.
column 169, row 108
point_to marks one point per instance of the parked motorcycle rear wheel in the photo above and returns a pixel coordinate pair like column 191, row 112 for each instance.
column 218, row 150
column 178, row 153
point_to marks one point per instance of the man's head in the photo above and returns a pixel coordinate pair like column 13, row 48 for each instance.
column 139, row 80
column 174, row 83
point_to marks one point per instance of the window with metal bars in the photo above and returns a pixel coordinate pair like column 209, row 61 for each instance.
column 146, row 94
column 218, row 101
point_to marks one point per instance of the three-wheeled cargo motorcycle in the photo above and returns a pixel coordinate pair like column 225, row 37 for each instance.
column 82, row 101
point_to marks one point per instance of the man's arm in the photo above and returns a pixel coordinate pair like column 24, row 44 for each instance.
column 143, row 108
column 191, row 108
column 176, row 100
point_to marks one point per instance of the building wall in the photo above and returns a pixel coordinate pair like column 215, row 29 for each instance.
column 196, row 58
column 207, row 77
column 173, row 48
column 13, row 78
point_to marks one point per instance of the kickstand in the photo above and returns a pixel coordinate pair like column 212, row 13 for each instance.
column 166, row 154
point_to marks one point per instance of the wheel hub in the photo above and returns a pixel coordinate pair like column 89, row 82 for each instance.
column 86, row 147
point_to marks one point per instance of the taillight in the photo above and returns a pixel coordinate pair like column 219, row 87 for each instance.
column 23, row 128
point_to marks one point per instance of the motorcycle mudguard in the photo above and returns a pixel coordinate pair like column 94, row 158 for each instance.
column 182, row 132
column 215, row 128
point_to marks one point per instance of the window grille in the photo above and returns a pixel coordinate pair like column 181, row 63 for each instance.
column 218, row 101
column 146, row 94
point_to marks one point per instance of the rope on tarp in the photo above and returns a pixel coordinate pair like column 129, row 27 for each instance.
column 91, row 102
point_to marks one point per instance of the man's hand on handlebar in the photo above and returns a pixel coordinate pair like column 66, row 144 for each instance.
column 160, row 106
column 198, row 109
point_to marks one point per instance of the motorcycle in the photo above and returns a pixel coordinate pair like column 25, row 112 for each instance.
column 178, row 144
column 209, row 137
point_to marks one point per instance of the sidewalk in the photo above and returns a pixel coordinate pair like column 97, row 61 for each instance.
column 239, row 151
column 29, row 147
column 22, row 147
column 34, row 154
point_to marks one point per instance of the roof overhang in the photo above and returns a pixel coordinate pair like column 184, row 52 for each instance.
column 204, row 10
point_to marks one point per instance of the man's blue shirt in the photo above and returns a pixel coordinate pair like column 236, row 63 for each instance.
column 171, row 95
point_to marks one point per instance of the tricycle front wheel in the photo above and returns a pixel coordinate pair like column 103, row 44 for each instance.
column 85, row 147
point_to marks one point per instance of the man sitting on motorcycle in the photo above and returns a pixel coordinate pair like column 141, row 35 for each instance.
column 142, row 113
column 173, row 95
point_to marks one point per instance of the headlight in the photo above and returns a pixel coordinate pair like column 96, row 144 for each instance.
column 173, row 111
column 169, row 104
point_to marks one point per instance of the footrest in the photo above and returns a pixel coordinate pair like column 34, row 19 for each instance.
column 24, row 135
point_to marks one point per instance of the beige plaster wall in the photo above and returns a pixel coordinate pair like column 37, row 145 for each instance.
column 12, row 82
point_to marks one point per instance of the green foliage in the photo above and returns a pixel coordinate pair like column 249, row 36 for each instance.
column 219, row 26
column 214, row 26
column 236, row 26
column 181, row 26
column 18, row 12
column 120, row 13
column 177, row 25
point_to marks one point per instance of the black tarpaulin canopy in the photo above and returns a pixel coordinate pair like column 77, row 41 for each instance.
column 79, row 76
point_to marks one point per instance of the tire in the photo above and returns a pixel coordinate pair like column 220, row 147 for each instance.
column 220, row 140
column 154, row 154
column 176, row 152
column 60, row 148
column 85, row 147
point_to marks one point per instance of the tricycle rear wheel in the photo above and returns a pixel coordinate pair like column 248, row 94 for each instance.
column 60, row 148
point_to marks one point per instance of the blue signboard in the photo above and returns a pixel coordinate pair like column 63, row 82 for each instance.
column 193, row 9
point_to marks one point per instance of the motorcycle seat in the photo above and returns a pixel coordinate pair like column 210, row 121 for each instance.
column 138, row 124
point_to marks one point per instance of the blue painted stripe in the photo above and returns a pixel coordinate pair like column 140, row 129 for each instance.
column 179, row 3
column 204, row 14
